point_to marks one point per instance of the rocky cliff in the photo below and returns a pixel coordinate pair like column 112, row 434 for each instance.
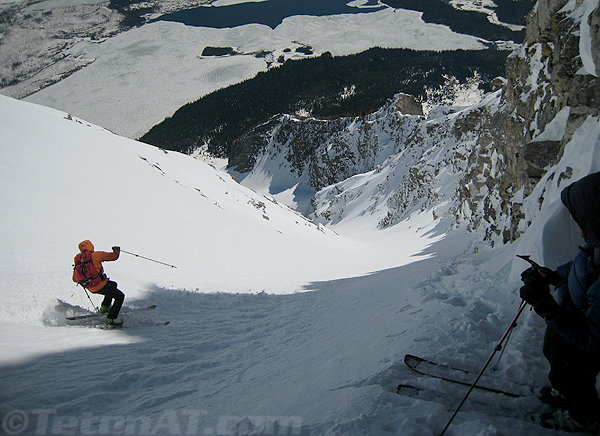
column 475, row 165
column 548, row 96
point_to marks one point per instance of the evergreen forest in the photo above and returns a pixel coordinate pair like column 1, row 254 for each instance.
column 326, row 87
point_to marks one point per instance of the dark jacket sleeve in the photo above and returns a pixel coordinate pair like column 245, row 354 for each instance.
column 581, row 328
column 563, row 296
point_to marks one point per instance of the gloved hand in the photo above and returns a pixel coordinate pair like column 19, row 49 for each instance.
column 543, row 274
column 532, row 276
column 116, row 248
column 536, row 292
column 551, row 277
column 547, row 307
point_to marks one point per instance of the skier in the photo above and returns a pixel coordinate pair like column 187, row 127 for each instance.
column 106, row 287
column 572, row 338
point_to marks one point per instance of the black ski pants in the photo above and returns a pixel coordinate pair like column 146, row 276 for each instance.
column 111, row 293
column 573, row 372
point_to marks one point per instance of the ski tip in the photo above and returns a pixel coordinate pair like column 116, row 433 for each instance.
column 411, row 360
column 81, row 317
column 409, row 390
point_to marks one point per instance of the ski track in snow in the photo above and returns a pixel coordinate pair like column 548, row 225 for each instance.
column 320, row 362
column 324, row 361
column 233, row 363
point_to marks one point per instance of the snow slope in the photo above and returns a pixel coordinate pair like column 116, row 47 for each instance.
column 66, row 180
column 319, row 352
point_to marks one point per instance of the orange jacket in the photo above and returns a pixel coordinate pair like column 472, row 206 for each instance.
column 97, row 258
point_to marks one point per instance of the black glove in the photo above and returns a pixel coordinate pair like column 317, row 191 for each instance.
column 536, row 292
column 532, row 277
column 547, row 307
column 115, row 248
column 542, row 274
column 552, row 277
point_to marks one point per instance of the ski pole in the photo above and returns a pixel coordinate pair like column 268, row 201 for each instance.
column 498, row 348
column 90, row 298
column 539, row 268
column 496, row 367
column 147, row 258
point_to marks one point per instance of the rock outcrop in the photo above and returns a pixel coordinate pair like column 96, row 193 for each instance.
column 475, row 165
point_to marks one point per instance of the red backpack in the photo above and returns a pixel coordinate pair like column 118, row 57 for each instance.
column 86, row 274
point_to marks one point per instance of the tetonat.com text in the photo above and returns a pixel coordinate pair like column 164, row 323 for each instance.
column 170, row 422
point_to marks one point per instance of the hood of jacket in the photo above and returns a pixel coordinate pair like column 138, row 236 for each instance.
column 582, row 198
column 86, row 246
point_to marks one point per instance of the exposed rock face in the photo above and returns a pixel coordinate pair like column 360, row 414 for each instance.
column 329, row 151
column 544, row 78
column 408, row 105
column 476, row 165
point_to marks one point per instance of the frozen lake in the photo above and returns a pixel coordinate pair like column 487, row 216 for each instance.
column 270, row 13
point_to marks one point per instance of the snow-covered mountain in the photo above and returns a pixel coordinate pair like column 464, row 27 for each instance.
column 81, row 181
column 275, row 325
column 237, row 254
column 476, row 163
column 320, row 351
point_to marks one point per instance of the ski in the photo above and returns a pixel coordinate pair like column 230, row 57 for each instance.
column 155, row 324
column 95, row 315
column 103, row 326
column 462, row 377
column 428, row 394
column 476, row 404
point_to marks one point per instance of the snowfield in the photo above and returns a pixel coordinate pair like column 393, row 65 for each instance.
column 139, row 77
column 277, row 325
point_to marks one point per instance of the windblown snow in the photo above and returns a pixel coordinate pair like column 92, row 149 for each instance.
column 277, row 325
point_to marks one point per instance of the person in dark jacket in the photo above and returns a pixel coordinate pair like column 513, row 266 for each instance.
column 572, row 338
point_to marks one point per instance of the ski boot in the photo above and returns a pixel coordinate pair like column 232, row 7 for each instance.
column 561, row 419
column 114, row 322
column 104, row 309
column 552, row 397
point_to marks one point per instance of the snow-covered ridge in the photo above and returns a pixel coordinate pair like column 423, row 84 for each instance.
column 65, row 180
column 321, row 363
column 475, row 165
column 312, row 363
column 380, row 168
